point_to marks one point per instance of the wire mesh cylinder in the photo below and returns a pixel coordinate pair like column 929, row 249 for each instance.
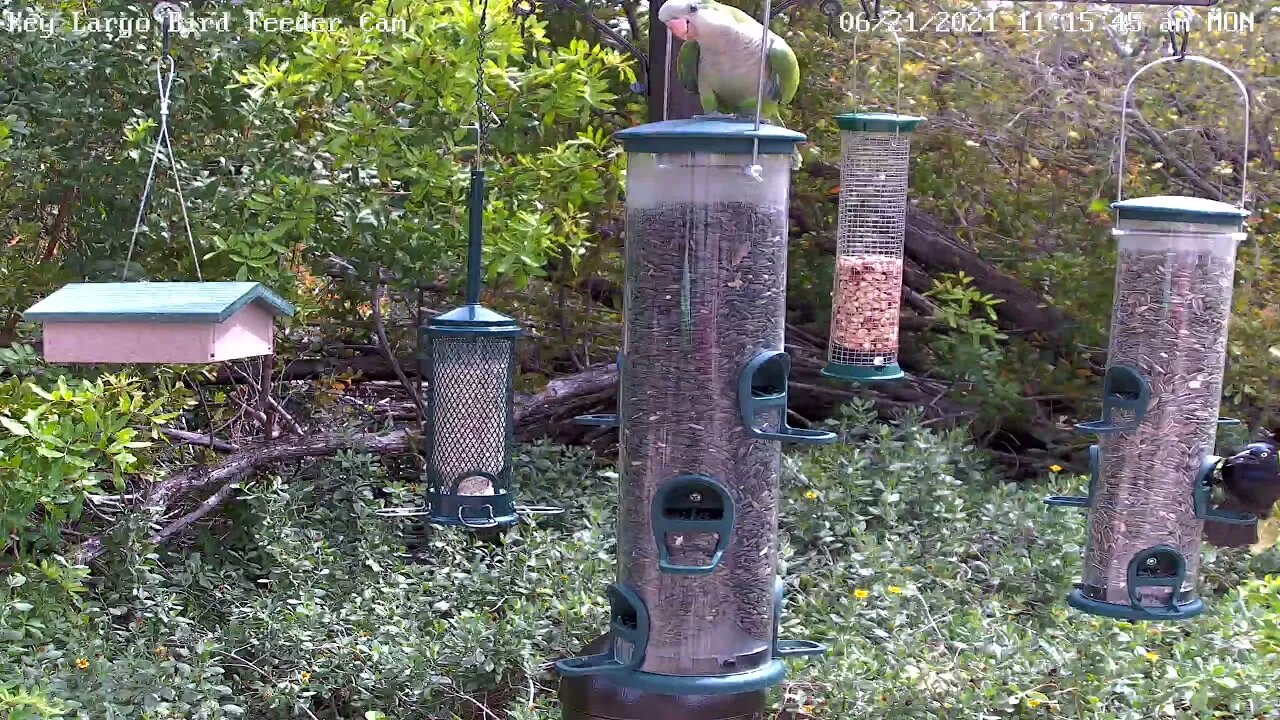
column 866, row 299
column 470, row 369
column 1172, row 303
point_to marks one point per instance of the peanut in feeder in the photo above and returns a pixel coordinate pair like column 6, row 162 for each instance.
column 868, row 280
column 1153, row 464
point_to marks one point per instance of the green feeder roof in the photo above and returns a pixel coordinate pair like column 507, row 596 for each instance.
column 154, row 302
column 1175, row 208
column 473, row 318
column 878, row 122
column 709, row 135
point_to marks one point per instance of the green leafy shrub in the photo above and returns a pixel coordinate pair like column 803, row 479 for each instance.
column 64, row 439
column 938, row 588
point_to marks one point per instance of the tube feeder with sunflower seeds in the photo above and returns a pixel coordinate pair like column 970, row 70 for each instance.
column 1153, row 466
column 702, row 417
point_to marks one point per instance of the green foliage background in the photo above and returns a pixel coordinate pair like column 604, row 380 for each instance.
column 938, row 587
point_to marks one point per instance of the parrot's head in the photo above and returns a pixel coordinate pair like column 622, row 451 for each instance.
column 688, row 19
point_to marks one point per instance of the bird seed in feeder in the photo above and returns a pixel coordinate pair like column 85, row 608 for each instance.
column 1169, row 321
column 679, row 400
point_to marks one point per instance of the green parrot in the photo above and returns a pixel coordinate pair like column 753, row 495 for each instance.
column 720, row 59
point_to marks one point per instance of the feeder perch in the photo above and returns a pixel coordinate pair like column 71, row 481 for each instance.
column 701, row 413
column 867, row 297
column 1153, row 466
column 158, row 322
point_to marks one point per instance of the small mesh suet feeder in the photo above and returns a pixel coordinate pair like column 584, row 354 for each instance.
column 867, row 297
column 469, row 366
column 1152, row 469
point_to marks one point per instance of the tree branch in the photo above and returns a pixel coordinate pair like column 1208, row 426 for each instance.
column 381, row 329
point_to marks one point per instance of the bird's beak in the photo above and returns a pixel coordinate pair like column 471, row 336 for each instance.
column 1242, row 460
column 680, row 27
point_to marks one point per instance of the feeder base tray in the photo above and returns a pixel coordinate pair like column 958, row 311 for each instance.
column 600, row 697
column 863, row 373
column 1080, row 601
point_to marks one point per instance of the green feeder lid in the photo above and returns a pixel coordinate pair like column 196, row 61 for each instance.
column 1175, row 208
column 878, row 122
column 154, row 302
column 709, row 135
column 473, row 318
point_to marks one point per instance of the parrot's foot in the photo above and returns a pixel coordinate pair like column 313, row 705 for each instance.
column 717, row 115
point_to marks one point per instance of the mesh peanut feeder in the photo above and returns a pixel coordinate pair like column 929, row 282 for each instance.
column 868, row 274
column 1154, row 460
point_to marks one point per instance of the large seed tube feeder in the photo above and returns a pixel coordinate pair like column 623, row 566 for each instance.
column 867, row 296
column 469, row 366
column 1153, row 463
column 702, row 409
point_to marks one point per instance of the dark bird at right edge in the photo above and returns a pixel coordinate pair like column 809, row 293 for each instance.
column 1251, row 482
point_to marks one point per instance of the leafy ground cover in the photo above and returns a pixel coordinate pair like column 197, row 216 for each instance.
column 938, row 587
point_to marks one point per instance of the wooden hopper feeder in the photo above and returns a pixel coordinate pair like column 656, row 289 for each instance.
column 158, row 322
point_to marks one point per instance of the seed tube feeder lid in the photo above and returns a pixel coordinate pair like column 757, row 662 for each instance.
column 878, row 122
column 709, row 134
column 158, row 322
column 1180, row 209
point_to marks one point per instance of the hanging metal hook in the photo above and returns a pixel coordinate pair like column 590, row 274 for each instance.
column 871, row 8
column 1179, row 20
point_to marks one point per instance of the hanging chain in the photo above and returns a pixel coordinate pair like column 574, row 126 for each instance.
column 485, row 116
column 166, row 71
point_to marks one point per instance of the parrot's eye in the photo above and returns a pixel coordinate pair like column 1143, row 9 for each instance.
column 693, row 8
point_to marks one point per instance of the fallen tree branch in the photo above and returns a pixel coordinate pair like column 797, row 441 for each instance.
column 210, row 504
column 184, row 437
column 235, row 468
column 381, row 329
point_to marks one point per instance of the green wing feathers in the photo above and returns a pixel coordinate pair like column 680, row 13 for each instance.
column 687, row 66
column 786, row 72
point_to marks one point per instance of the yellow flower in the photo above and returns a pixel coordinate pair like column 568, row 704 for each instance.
column 82, row 663
column 811, row 495
column 861, row 594
column 306, row 676
column 1032, row 702
column 1055, row 468
column 161, row 651
column 1151, row 656
column 806, row 709
column 894, row 589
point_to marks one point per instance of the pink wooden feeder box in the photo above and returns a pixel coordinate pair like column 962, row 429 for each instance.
column 158, row 322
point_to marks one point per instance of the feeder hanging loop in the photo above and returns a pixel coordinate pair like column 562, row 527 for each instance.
column 755, row 170
column 166, row 71
column 1124, row 115
column 1179, row 22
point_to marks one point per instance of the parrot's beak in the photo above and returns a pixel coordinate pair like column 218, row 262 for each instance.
column 680, row 27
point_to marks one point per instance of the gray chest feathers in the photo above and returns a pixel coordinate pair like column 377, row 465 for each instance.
column 732, row 65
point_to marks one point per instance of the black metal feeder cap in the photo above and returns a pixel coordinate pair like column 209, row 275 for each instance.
column 473, row 319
